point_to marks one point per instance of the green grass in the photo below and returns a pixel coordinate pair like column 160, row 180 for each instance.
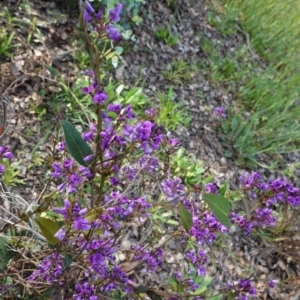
column 267, row 91
column 6, row 42
column 171, row 114
column 165, row 34
column 179, row 71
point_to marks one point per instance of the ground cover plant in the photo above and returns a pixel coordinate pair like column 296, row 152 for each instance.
column 266, row 86
column 69, row 243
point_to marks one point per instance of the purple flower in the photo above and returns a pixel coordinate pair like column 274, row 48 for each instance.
column 263, row 217
column 5, row 153
column 220, row 112
column 272, row 283
column 150, row 112
column 278, row 185
column 82, row 224
column 61, row 146
column 2, row 169
column 89, row 7
column 49, row 270
column 99, row 15
column 89, row 136
column 114, row 107
column 84, row 291
column 57, row 170
column 211, row 188
column 143, row 130
column 60, row 234
column 8, row 155
column 173, row 188
column 114, row 14
column 89, row 89
column 68, row 163
column 113, row 33
column 65, row 211
column 250, row 180
column 198, row 259
column 87, row 16
column 100, row 98
column 128, row 112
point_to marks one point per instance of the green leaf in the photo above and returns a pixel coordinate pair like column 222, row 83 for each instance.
column 48, row 229
column 220, row 207
column 51, row 70
column 94, row 214
column 186, row 217
column 5, row 254
column 50, row 291
column 230, row 296
column 76, row 145
column 154, row 296
column 206, row 281
column 68, row 260
column 172, row 282
column 141, row 289
column 199, row 291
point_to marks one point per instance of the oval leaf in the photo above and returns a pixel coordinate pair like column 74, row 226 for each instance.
column 77, row 146
column 51, row 70
column 50, row 291
column 94, row 214
column 68, row 260
column 220, row 207
column 186, row 217
column 48, row 229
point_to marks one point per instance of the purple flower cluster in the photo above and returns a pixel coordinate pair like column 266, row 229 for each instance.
column 198, row 260
column 173, row 188
column 89, row 15
column 84, row 291
column 243, row 289
column 49, row 269
column 211, row 188
column 220, row 112
column 241, row 222
column 4, row 153
column 267, row 195
column 72, row 175
column 153, row 261
column 205, row 226
column 73, row 214
column 125, row 206
column 98, row 94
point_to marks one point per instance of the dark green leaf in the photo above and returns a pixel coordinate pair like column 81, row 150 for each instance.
column 50, row 291
column 141, row 289
column 48, row 229
column 117, row 296
column 68, row 260
column 154, row 296
column 76, row 145
column 186, row 217
column 5, row 254
column 220, row 207
column 51, row 70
